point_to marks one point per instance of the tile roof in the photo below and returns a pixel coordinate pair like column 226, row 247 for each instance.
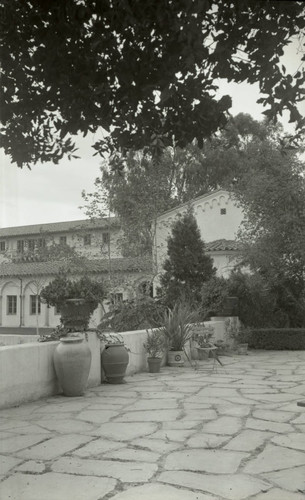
column 56, row 227
column 223, row 245
column 136, row 264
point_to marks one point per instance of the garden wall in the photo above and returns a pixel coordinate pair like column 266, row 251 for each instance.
column 27, row 372
column 6, row 340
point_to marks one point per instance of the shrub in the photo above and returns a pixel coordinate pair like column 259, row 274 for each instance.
column 135, row 314
column 213, row 296
column 187, row 265
column 62, row 288
column 277, row 338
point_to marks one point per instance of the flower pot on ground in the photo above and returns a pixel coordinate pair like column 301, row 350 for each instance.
column 154, row 365
column 177, row 329
column 115, row 357
column 72, row 361
column 154, row 346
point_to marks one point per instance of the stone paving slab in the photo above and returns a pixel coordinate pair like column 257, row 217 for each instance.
column 215, row 433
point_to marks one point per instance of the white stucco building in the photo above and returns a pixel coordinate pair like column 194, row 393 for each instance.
column 218, row 217
column 24, row 271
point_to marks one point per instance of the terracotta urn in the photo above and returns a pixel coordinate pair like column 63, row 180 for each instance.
column 72, row 361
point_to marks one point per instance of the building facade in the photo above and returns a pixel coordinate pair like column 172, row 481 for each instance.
column 31, row 256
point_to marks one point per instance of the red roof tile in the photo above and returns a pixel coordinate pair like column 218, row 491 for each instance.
column 137, row 264
column 223, row 245
column 57, row 227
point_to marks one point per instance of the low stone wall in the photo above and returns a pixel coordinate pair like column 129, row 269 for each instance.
column 6, row 340
column 27, row 372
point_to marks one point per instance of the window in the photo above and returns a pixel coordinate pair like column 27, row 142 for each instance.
column 2, row 246
column 20, row 246
column 35, row 306
column 87, row 239
column 31, row 245
column 57, row 310
column 63, row 240
column 12, row 304
column 41, row 243
column 146, row 288
column 106, row 238
column 116, row 298
column 223, row 211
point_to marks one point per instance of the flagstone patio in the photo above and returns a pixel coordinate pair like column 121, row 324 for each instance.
column 228, row 433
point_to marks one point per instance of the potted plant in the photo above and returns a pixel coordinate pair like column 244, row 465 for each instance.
column 115, row 357
column 203, row 342
column 177, row 329
column 72, row 356
column 154, row 346
column 76, row 299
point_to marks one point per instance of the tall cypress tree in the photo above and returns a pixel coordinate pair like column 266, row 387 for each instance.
column 187, row 266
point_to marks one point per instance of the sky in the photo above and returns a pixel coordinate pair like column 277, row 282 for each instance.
column 52, row 193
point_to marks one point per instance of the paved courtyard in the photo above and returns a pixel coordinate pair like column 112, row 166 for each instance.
column 232, row 432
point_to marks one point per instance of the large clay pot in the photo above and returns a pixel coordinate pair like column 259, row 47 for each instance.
column 75, row 314
column 175, row 358
column 72, row 361
column 154, row 364
column 115, row 359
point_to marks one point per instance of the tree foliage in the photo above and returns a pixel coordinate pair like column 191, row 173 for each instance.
column 144, row 71
column 139, row 187
column 272, row 195
column 133, row 314
column 187, row 266
column 137, row 192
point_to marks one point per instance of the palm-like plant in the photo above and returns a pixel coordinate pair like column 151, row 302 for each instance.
column 177, row 325
column 155, row 343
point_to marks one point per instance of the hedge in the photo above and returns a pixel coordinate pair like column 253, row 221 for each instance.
column 277, row 338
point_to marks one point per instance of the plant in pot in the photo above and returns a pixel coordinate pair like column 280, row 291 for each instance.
column 72, row 356
column 114, row 356
column 76, row 300
column 203, row 342
column 154, row 346
column 177, row 329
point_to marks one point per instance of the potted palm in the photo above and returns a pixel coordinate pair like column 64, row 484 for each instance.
column 177, row 329
column 154, row 346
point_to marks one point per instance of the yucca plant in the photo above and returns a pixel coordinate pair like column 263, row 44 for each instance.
column 177, row 325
